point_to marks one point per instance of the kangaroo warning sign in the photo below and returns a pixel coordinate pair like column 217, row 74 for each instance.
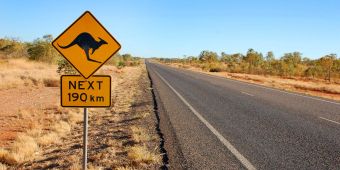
column 76, row 91
column 86, row 44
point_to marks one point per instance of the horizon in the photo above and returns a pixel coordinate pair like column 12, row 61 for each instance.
column 176, row 29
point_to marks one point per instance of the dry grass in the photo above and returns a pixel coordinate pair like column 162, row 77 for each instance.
column 331, row 89
column 75, row 166
column 48, row 139
column 28, row 144
column 3, row 166
column 139, row 134
column 51, row 82
column 22, row 73
column 125, row 168
column 62, row 128
column 74, row 117
column 289, row 84
column 140, row 154
column 94, row 167
column 118, row 137
column 3, row 155
column 314, row 87
column 135, row 148
column 23, row 149
column 125, row 95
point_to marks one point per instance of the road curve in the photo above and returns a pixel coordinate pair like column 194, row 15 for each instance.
column 264, row 127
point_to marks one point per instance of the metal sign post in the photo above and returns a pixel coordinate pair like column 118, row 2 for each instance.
column 85, row 139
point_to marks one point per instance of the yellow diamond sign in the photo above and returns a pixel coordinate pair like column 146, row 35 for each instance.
column 86, row 44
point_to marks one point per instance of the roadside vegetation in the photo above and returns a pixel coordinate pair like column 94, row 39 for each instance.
column 36, row 133
column 41, row 50
column 292, row 71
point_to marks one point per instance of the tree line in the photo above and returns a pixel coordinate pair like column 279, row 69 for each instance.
column 289, row 65
column 42, row 50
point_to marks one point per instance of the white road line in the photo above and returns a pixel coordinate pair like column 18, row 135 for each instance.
column 246, row 93
column 225, row 142
column 330, row 120
column 269, row 88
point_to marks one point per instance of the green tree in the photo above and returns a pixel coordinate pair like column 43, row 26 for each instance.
column 42, row 50
column 226, row 58
column 208, row 56
column 48, row 38
column 237, row 58
column 306, row 61
column 127, row 57
column 312, row 71
column 327, row 63
column 192, row 59
column 270, row 56
column 290, row 63
column 64, row 67
column 267, row 64
column 337, row 67
column 12, row 48
column 253, row 58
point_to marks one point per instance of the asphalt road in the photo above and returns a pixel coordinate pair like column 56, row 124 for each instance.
column 211, row 122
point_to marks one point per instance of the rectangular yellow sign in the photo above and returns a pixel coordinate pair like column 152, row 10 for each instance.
column 76, row 91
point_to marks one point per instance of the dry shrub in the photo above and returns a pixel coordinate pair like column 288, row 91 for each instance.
column 35, row 132
column 26, row 145
column 23, row 114
column 125, row 168
column 3, row 167
column 74, row 117
column 145, row 114
column 140, row 154
column 49, row 82
column 139, row 134
column 9, row 158
column 23, row 149
column 75, row 166
column 49, row 138
column 324, row 89
column 62, row 128
column 215, row 69
column 3, row 155
column 93, row 167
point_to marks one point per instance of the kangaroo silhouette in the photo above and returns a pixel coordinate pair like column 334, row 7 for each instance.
column 86, row 42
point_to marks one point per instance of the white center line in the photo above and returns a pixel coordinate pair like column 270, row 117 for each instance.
column 225, row 142
column 246, row 93
column 330, row 120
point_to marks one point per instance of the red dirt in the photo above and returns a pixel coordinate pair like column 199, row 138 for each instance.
column 16, row 100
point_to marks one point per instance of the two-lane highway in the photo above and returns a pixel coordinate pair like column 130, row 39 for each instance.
column 216, row 123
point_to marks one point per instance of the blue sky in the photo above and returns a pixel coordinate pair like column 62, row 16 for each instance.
column 176, row 28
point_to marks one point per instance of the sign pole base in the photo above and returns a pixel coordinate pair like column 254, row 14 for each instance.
column 85, row 139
